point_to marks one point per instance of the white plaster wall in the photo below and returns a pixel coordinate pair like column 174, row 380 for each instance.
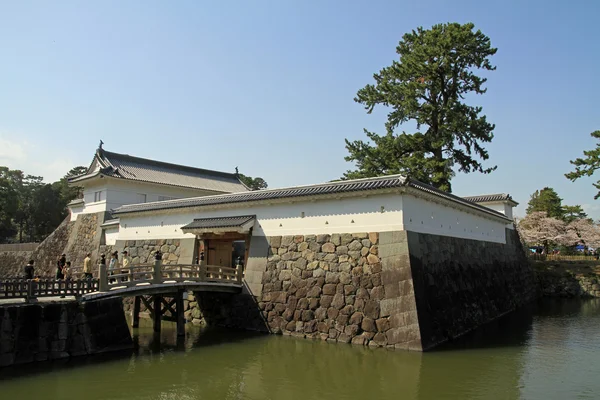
column 111, row 234
column 75, row 211
column 500, row 207
column 428, row 217
column 361, row 214
column 116, row 193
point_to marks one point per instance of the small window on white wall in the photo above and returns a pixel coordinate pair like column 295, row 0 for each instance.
column 98, row 196
column 165, row 198
column 141, row 198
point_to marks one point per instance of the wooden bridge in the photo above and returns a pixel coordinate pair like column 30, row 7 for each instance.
column 150, row 284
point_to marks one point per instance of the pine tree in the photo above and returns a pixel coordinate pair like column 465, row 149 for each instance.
column 588, row 165
column 546, row 200
column 428, row 85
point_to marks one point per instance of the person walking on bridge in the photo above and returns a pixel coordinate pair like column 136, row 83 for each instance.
column 87, row 266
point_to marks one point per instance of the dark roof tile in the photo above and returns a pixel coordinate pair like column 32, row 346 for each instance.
column 379, row 183
column 124, row 166
column 220, row 222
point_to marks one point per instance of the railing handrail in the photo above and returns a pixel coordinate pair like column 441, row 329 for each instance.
column 107, row 280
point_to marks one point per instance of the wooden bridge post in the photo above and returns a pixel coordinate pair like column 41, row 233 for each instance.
column 136, row 312
column 239, row 273
column 180, row 313
column 157, row 276
column 157, row 312
column 29, row 291
column 102, row 278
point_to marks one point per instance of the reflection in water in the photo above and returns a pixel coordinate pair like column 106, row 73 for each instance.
column 546, row 352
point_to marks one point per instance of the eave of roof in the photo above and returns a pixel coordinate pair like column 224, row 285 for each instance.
column 75, row 202
column 110, row 222
column 95, row 175
column 390, row 182
column 219, row 222
column 126, row 167
column 492, row 198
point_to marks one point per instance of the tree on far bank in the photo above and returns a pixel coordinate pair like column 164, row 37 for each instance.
column 588, row 165
column 572, row 213
column 539, row 229
column 436, row 70
column 253, row 183
column 546, row 200
column 31, row 209
column 69, row 193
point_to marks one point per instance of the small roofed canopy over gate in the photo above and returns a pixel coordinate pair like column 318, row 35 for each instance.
column 126, row 167
column 220, row 225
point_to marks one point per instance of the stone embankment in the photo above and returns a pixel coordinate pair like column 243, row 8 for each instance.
column 50, row 331
column 567, row 279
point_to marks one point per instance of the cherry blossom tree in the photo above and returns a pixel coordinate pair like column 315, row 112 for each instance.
column 584, row 231
column 539, row 229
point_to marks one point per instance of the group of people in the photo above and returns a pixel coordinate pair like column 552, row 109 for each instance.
column 114, row 266
column 64, row 271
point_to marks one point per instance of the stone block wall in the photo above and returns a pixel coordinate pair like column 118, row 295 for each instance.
column 340, row 287
column 566, row 284
column 460, row 284
column 47, row 331
column 51, row 248
column 142, row 251
column 75, row 239
column 85, row 238
column 12, row 263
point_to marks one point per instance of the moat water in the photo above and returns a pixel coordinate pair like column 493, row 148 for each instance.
column 550, row 351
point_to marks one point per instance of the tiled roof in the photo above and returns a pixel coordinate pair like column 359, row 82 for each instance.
column 110, row 222
column 76, row 201
column 485, row 198
column 124, row 166
column 222, row 222
column 358, row 185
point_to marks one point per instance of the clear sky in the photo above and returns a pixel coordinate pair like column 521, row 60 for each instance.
column 268, row 85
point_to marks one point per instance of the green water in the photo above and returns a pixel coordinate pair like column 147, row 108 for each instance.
column 549, row 352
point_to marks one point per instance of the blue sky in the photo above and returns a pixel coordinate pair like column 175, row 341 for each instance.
column 268, row 85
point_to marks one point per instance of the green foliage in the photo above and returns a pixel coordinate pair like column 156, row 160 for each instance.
column 588, row 165
column 428, row 85
column 253, row 183
column 546, row 200
column 29, row 208
column 571, row 213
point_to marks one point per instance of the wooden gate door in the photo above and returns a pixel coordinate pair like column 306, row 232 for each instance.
column 219, row 253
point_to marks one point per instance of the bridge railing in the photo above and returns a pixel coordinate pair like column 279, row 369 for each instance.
column 34, row 288
column 157, row 273
column 133, row 275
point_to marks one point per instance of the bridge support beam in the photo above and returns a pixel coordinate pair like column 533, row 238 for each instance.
column 180, row 313
column 136, row 311
column 156, row 312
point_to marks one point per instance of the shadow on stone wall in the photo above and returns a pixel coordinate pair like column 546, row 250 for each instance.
column 461, row 284
column 50, row 331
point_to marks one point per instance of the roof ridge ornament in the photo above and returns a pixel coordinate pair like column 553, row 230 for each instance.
column 100, row 145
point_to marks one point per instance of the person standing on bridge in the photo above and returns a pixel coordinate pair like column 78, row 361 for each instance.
column 29, row 270
column 59, row 268
column 125, row 264
column 87, row 266
column 113, row 264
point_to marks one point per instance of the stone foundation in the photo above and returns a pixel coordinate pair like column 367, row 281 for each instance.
column 340, row 287
column 395, row 289
column 461, row 284
column 567, row 284
column 49, row 331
